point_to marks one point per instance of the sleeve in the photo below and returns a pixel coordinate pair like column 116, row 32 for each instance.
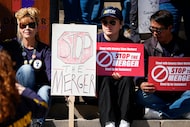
column 47, row 61
column 35, row 102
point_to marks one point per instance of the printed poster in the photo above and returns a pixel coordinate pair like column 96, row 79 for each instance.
column 169, row 73
column 125, row 58
column 73, row 60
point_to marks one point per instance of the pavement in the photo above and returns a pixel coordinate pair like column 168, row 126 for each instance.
column 87, row 115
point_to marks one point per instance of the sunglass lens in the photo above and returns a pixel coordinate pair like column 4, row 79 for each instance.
column 104, row 22
column 155, row 30
column 22, row 26
column 113, row 22
column 32, row 25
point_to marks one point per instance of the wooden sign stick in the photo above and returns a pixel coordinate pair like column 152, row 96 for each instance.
column 71, row 101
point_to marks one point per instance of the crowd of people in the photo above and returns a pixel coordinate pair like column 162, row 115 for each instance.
column 25, row 66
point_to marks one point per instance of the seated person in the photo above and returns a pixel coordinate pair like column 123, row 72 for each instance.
column 32, row 57
column 18, row 104
column 116, row 92
column 163, row 43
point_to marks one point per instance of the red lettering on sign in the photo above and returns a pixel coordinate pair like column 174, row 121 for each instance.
column 178, row 70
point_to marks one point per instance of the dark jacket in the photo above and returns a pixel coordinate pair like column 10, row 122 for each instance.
column 31, row 105
column 176, row 48
column 43, row 53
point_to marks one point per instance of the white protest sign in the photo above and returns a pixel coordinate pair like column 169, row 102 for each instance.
column 73, row 60
column 145, row 9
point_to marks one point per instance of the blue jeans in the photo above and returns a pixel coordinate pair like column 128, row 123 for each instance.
column 96, row 12
column 81, row 11
column 72, row 11
column 170, row 110
column 126, row 7
column 86, row 10
column 26, row 77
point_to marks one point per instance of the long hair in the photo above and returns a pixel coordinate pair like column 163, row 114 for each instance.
column 9, row 96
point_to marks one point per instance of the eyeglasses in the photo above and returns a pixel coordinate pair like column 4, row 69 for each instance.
column 157, row 30
column 30, row 25
column 111, row 22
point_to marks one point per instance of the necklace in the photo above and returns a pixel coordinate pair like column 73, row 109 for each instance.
column 36, row 63
column 24, row 54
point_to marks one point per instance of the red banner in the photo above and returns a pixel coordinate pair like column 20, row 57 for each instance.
column 169, row 73
column 125, row 58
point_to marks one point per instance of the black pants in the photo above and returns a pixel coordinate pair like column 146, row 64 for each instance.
column 116, row 99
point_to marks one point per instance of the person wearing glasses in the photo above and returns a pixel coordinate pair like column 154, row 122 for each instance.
column 116, row 92
column 32, row 57
column 163, row 43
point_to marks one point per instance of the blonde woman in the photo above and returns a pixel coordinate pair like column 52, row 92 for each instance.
column 32, row 57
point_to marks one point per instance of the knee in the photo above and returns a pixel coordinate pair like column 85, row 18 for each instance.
column 105, row 80
column 44, row 89
column 186, row 93
column 25, row 76
column 44, row 93
column 26, row 69
column 128, row 80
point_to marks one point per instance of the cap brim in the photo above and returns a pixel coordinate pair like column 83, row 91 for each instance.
column 107, row 16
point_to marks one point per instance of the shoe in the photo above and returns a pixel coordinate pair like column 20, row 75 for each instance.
column 152, row 114
column 110, row 124
column 187, row 115
column 36, row 123
column 124, row 123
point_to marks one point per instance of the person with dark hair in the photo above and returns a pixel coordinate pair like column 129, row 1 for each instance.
column 18, row 104
column 116, row 92
column 163, row 43
column 32, row 57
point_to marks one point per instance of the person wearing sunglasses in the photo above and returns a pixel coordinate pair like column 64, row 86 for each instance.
column 32, row 57
column 116, row 92
column 163, row 43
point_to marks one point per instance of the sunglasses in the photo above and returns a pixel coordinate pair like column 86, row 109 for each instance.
column 30, row 25
column 111, row 22
column 157, row 30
